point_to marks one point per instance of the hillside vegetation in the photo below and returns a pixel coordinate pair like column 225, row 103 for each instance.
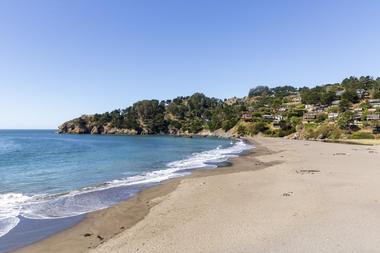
column 350, row 109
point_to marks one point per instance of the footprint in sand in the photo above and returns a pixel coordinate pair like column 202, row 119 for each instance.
column 335, row 154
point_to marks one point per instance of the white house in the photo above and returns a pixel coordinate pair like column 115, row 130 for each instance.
column 333, row 115
column 339, row 93
column 374, row 102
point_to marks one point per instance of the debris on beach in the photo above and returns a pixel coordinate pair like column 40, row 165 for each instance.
column 372, row 151
column 307, row 171
column 340, row 154
column 287, row 194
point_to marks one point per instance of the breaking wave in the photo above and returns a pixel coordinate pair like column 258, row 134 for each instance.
column 73, row 203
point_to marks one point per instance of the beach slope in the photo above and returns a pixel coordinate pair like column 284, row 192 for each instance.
column 316, row 197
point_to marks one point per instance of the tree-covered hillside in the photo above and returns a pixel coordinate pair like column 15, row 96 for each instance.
column 182, row 115
column 350, row 109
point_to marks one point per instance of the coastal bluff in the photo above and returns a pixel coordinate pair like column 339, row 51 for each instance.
column 183, row 116
column 86, row 124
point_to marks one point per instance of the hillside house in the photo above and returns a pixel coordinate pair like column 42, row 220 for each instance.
column 372, row 117
column 361, row 93
column 267, row 117
column 339, row 93
column 374, row 103
column 315, row 108
column 278, row 118
column 319, row 108
column 310, row 116
column 358, row 123
column 372, row 110
column 376, row 130
column 333, row 116
column 246, row 116
column 309, row 108
column 335, row 102
column 358, row 116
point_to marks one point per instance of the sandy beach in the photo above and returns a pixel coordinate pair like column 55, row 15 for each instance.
column 285, row 196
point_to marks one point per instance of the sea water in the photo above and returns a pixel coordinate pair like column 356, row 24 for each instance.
column 44, row 175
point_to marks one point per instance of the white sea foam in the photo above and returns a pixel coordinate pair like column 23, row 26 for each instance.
column 10, row 206
column 8, row 224
column 86, row 199
column 182, row 167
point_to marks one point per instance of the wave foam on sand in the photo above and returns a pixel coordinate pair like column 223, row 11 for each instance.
column 94, row 198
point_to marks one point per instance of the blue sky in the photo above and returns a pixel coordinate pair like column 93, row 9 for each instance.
column 61, row 59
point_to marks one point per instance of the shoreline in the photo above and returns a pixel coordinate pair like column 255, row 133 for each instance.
column 316, row 197
column 99, row 226
column 311, row 197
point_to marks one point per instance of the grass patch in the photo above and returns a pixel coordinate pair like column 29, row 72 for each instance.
column 310, row 125
column 362, row 135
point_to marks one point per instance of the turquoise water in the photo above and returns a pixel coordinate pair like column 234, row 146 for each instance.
column 44, row 175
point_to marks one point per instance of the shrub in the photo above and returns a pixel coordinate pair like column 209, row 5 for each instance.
column 324, row 131
column 283, row 133
column 261, row 127
column 362, row 135
column 255, row 128
column 295, row 121
column 321, row 117
column 309, row 133
column 272, row 132
column 310, row 125
column 327, row 131
column 241, row 130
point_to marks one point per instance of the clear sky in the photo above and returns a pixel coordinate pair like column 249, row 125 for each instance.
column 61, row 59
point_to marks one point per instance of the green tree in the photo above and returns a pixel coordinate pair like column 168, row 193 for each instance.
column 345, row 119
column 351, row 96
column 344, row 105
column 259, row 91
column 327, row 97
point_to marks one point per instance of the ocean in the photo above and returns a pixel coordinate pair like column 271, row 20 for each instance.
column 47, row 177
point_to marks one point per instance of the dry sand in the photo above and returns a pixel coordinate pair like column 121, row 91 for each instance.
column 310, row 197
